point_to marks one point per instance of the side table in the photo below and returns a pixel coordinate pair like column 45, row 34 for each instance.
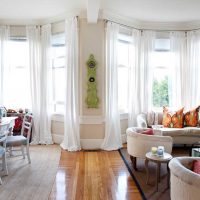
column 158, row 160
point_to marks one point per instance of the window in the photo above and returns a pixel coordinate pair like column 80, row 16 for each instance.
column 161, row 68
column 58, row 73
column 123, row 72
column 18, row 80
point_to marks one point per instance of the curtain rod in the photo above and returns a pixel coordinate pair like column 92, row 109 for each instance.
column 145, row 29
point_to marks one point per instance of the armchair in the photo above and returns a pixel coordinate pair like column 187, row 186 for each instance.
column 139, row 144
column 185, row 183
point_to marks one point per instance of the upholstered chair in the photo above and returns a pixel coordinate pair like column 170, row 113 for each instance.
column 184, row 183
column 139, row 144
column 23, row 139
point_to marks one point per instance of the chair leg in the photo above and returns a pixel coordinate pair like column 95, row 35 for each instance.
column 5, row 168
column 28, row 154
column 22, row 149
column 134, row 162
column 0, row 181
column 10, row 151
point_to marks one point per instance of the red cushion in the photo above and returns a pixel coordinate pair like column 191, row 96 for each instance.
column 148, row 132
column 196, row 166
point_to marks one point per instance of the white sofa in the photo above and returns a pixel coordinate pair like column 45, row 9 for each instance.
column 186, row 135
column 184, row 183
column 139, row 144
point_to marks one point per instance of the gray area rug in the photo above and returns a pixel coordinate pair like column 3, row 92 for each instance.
column 31, row 181
column 149, row 191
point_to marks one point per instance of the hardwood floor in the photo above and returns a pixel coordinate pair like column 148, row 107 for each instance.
column 95, row 175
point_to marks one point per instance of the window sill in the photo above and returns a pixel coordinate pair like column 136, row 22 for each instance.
column 123, row 116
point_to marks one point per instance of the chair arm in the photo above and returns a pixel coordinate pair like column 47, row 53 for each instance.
column 178, row 169
column 139, row 144
column 142, row 120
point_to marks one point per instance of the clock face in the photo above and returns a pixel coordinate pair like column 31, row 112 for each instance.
column 91, row 65
column 91, row 79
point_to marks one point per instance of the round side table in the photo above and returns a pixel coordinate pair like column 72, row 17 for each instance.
column 158, row 160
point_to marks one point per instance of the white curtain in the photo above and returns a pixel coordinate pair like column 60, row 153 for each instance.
column 112, row 140
column 134, row 107
column 33, row 38
column 141, row 74
column 46, row 110
column 176, row 76
column 71, row 140
column 4, row 38
column 192, row 71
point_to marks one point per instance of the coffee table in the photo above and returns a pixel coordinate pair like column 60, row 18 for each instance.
column 158, row 160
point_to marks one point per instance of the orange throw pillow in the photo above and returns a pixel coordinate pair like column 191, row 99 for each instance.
column 191, row 117
column 172, row 119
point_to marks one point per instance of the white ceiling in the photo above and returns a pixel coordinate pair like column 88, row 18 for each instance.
column 141, row 10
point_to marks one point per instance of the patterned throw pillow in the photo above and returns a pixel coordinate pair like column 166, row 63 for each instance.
column 191, row 117
column 172, row 119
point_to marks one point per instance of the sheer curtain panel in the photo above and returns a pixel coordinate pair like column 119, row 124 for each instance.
column 178, row 63
column 192, row 70
column 112, row 140
column 33, row 38
column 71, row 140
column 4, row 38
column 141, row 74
column 46, row 106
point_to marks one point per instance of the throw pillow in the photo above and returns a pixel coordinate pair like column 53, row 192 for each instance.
column 191, row 117
column 172, row 119
column 150, row 118
column 196, row 166
column 148, row 132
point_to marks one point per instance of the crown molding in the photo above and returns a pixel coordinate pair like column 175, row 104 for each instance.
column 152, row 25
column 55, row 19
column 108, row 15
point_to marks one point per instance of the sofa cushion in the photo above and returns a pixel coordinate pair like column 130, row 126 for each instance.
column 196, row 166
column 191, row 117
column 172, row 119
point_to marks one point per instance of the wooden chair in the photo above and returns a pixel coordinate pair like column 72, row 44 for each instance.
column 23, row 139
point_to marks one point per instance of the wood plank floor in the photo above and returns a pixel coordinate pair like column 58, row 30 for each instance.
column 93, row 175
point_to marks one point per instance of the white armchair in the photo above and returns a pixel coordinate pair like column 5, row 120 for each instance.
column 139, row 144
column 185, row 183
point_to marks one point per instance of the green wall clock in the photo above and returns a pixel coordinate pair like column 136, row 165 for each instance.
column 92, row 100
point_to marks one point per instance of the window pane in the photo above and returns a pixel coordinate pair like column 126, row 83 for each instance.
column 59, row 81
column 59, row 108
column 123, row 53
column 161, row 58
column 123, row 88
column 18, row 87
column 58, row 65
column 160, row 87
column 162, row 44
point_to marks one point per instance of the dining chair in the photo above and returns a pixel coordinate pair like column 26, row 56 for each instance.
column 23, row 139
column 3, row 154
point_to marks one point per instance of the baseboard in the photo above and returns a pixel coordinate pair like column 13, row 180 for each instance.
column 90, row 144
column 124, row 138
column 86, row 143
column 57, row 138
